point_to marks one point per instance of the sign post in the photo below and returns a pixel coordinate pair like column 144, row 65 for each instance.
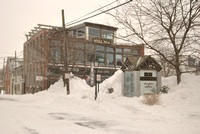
column 22, row 80
column 98, row 77
column 67, row 75
column 95, row 84
column 96, row 65
column 98, row 80
column 39, row 78
column 92, row 75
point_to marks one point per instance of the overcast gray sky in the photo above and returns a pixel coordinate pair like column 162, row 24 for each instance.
column 18, row 17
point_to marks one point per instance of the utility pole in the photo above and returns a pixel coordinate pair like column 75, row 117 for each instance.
column 15, row 64
column 3, row 70
column 197, row 66
column 15, row 73
column 65, row 52
column 3, row 77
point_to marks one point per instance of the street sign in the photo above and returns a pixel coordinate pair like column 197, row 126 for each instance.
column 22, row 80
column 96, row 64
column 76, row 69
column 39, row 78
column 98, row 77
column 88, row 78
column 67, row 76
column 45, row 78
column 2, row 92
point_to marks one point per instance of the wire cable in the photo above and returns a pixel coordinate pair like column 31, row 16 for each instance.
column 99, row 13
column 91, row 12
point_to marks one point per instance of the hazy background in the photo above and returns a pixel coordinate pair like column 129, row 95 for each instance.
column 18, row 17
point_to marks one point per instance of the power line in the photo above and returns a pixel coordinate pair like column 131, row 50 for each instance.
column 6, row 52
column 74, row 22
column 18, row 56
column 91, row 12
column 2, row 57
column 20, row 53
column 99, row 13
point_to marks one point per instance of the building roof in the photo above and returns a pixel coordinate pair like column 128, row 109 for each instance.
column 100, row 25
column 93, row 24
column 141, row 63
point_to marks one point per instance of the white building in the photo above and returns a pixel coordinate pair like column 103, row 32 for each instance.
column 16, row 80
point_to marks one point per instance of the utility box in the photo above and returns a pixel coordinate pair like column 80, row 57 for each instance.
column 2, row 92
column 141, row 76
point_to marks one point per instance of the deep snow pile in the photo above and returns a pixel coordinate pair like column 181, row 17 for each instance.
column 187, row 91
column 183, row 97
column 82, row 95
column 114, row 82
column 80, row 90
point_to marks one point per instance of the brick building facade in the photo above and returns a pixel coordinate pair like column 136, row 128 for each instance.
column 86, row 43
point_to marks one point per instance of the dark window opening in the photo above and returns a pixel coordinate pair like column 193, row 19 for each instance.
column 94, row 32
column 107, row 34
column 100, row 58
column 110, row 59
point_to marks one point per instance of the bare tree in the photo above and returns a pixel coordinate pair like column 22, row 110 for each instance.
column 54, row 56
column 168, row 69
column 1, row 74
column 162, row 25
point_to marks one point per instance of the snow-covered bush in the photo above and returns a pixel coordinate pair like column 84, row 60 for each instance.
column 164, row 89
column 151, row 99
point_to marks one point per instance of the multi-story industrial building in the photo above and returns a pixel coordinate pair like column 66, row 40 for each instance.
column 8, row 70
column 13, row 77
column 85, row 44
column 17, row 81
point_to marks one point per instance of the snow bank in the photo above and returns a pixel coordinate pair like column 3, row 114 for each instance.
column 78, row 88
column 186, row 94
column 169, row 82
column 114, row 82
column 187, row 91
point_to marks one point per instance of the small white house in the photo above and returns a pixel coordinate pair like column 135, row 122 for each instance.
column 16, row 81
column 142, row 75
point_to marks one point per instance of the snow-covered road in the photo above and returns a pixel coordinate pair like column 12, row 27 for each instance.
column 53, row 112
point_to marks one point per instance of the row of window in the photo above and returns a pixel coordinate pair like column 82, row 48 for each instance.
column 105, row 56
column 34, row 51
column 31, row 77
column 89, row 46
column 93, row 32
